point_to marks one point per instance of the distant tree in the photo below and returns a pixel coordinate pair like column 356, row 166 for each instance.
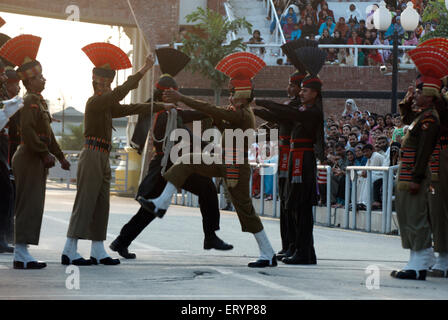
column 207, row 47
column 436, row 11
column 73, row 141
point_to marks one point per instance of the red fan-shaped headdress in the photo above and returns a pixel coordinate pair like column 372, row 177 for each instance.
column 241, row 67
column 107, row 58
column 22, row 51
column 2, row 22
column 432, row 63
column 441, row 43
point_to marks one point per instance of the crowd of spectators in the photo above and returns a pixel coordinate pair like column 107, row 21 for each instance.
column 314, row 19
column 359, row 138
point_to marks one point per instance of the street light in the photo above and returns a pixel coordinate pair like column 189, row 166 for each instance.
column 382, row 19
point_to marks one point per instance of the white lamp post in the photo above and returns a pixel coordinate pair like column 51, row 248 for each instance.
column 409, row 19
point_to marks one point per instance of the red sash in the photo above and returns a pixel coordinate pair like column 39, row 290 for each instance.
column 283, row 157
column 297, row 152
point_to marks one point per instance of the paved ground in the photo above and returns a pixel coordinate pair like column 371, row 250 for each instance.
column 171, row 263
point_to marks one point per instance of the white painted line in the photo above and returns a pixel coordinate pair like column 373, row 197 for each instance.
column 140, row 244
column 296, row 294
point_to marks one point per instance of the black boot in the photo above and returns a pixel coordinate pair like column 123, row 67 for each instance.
column 4, row 248
column 150, row 207
column 122, row 250
column 300, row 257
column 263, row 263
column 409, row 274
column 216, row 243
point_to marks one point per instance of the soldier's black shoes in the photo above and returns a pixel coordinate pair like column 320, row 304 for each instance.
column 29, row 265
column 263, row 263
column 4, row 248
column 217, row 244
column 409, row 274
column 298, row 259
column 149, row 206
column 122, row 251
column 106, row 261
column 437, row 273
column 65, row 260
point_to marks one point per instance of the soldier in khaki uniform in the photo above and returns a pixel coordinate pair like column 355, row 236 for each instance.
column 36, row 153
column 438, row 201
column 413, row 179
column 91, row 208
column 237, row 116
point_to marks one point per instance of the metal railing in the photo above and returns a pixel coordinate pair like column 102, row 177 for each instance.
column 62, row 179
column 271, row 12
column 387, row 195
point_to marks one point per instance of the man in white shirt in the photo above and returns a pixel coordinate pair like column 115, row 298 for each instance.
column 374, row 159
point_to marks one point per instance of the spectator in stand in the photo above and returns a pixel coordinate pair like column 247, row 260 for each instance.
column 364, row 136
column 296, row 33
column 362, row 29
column 309, row 28
column 345, row 58
column 353, row 13
column 388, row 120
column 352, row 140
column 381, row 145
column 380, row 123
column 394, row 153
column 354, row 39
column 373, row 35
column 374, row 159
column 309, row 11
column 362, row 54
column 274, row 22
column 360, row 160
column 334, row 131
column 398, row 130
column 350, row 107
column 374, row 58
column 352, row 26
column 325, row 12
column 395, row 25
column 428, row 28
column 385, row 53
column 257, row 39
column 288, row 28
column 328, row 25
column 357, row 130
column 338, row 164
column 346, row 130
column 342, row 27
column 291, row 14
column 322, row 185
column 410, row 39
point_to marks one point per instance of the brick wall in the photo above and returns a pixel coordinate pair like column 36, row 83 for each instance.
column 335, row 78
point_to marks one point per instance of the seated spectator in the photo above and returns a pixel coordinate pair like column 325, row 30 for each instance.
column 388, row 120
column 394, row 153
column 288, row 28
column 342, row 27
column 357, row 130
column 338, row 164
column 374, row 58
column 428, row 28
column 328, row 25
column 309, row 11
column 334, row 131
column 309, row 28
column 345, row 58
column 274, row 21
column 352, row 140
column 410, row 39
column 381, row 145
column 364, row 136
column 395, row 25
column 291, row 14
column 296, row 33
column 353, row 13
column 346, row 129
column 371, row 119
column 398, row 129
column 362, row 55
column 354, row 39
column 352, row 26
column 362, row 29
column 325, row 12
column 350, row 107
column 256, row 39
column 385, row 53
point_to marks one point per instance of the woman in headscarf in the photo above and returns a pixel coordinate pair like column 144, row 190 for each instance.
column 350, row 107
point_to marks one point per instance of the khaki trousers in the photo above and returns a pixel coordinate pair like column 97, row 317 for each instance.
column 90, row 213
column 30, row 178
column 439, row 206
column 240, row 196
column 413, row 216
